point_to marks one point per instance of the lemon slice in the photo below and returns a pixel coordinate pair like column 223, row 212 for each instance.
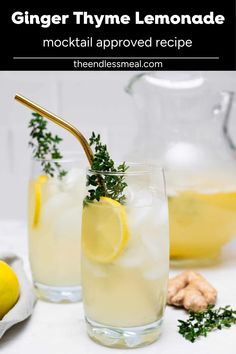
column 104, row 230
column 38, row 198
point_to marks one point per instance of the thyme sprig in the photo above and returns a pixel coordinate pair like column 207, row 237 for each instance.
column 45, row 146
column 201, row 323
column 109, row 185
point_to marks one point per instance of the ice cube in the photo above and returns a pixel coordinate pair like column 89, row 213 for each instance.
column 154, row 233
column 151, row 241
column 53, row 186
column 137, row 196
column 190, row 166
column 158, row 216
column 68, row 225
column 184, row 154
column 55, row 206
column 136, row 219
column 132, row 256
column 156, row 241
column 74, row 180
column 151, row 217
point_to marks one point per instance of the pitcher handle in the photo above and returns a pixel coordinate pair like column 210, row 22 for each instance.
column 132, row 81
column 226, row 130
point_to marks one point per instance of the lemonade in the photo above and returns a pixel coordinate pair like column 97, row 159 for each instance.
column 125, row 253
column 201, row 223
column 55, row 211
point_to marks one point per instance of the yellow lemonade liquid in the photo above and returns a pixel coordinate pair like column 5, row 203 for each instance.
column 55, row 212
column 129, row 290
column 121, row 296
column 200, row 224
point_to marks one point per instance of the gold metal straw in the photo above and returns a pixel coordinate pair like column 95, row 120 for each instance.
column 61, row 122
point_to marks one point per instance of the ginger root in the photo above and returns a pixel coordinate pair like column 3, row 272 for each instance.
column 191, row 291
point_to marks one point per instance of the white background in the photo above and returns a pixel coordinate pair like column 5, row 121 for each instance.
column 90, row 100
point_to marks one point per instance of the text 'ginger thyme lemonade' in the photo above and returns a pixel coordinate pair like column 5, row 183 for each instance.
column 125, row 252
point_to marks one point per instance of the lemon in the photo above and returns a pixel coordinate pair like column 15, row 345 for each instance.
column 104, row 230
column 9, row 288
column 38, row 198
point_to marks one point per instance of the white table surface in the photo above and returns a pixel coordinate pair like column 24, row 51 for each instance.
column 60, row 328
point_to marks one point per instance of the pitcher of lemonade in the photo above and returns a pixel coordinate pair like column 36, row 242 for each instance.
column 184, row 125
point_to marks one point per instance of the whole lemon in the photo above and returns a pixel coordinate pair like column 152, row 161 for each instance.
column 9, row 288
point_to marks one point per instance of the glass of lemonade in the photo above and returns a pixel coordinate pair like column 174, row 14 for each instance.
column 55, row 212
column 125, row 260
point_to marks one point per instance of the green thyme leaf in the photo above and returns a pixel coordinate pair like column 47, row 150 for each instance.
column 201, row 323
column 109, row 185
column 45, row 146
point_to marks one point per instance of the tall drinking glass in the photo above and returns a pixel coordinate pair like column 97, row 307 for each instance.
column 125, row 259
column 55, row 212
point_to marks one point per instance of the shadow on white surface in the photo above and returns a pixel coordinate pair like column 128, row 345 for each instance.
column 15, row 332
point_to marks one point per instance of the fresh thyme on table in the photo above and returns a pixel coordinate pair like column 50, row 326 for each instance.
column 201, row 323
column 112, row 185
column 45, row 146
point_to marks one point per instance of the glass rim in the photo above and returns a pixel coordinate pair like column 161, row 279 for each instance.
column 149, row 168
column 67, row 156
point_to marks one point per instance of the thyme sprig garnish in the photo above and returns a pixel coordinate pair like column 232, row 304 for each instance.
column 45, row 146
column 109, row 185
column 201, row 323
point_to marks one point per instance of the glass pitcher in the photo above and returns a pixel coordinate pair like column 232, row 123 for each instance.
column 183, row 124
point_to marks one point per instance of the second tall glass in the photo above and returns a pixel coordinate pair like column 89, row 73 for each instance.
column 55, row 211
column 125, row 259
